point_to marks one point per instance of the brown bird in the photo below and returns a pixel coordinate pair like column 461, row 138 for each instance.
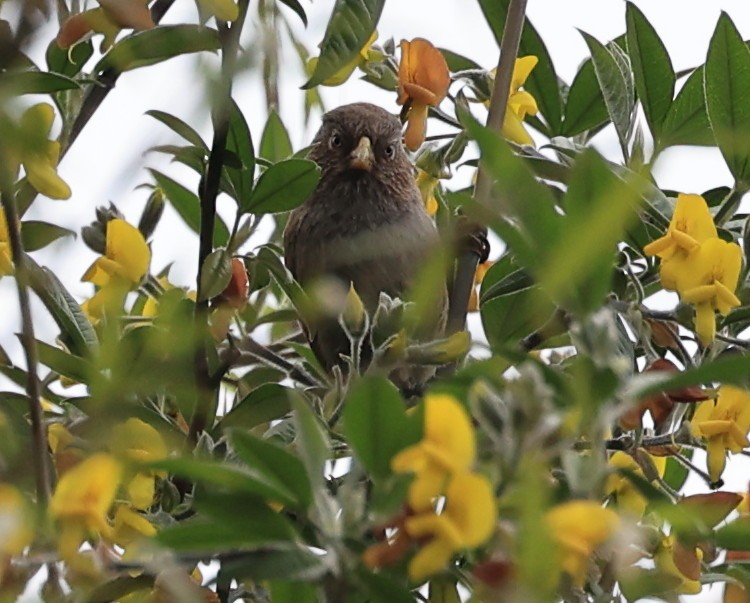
column 365, row 225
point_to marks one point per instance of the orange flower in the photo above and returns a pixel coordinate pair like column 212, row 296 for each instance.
column 423, row 80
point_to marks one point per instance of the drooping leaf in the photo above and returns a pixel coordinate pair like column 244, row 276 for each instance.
column 155, row 45
column 373, row 413
column 727, row 87
column 652, row 68
column 349, row 28
column 283, row 186
column 543, row 82
column 274, row 143
column 37, row 235
column 297, row 8
column 178, row 126
column 187, row 204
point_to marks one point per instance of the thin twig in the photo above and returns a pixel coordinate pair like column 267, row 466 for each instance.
column 206, row 394
column 252, row 348
column 468, row 260
column 40, row 452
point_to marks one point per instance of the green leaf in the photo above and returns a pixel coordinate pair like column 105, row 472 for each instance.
column 247, row 515
column 64, row 363
column 686, row 121
column 281, row 561
column 675, row 472
column 312, row 438
column 118, row 588
column 266, row 403
column 584, row 107
column 234, row 478
column 457, row 62
column 36, row 82
column 274, row 143
column 382, row 587
column 727, row 86
column 373, row 413
column 36, row 234
column 543, row 82
column 155, row 45
column 284, row 591
column 275, row 463
column 180, row 127
column 615, row 84
column 297, row 8
column 215, row 274
column 240, row 143
column 68, row 61
column 76, row 330
column 188, row 206
column 652, row 68
column 734, row 536
column 349, row 28
column 283, row 186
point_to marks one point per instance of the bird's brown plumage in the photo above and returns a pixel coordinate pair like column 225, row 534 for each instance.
column 367, row 227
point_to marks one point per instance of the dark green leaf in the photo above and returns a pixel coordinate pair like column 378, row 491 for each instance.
column 274, row 143
column 457, row 62
column 381, row 587
column 734, row 536
column 543, row 82
column 727, row 86
column 283, row 186
column 155, row 45
column 282, row 561
column 297, row 8
column 686, row 121
column 76, row 329
column 203, row 536
column 240, row 143
column 36, row 235
column 36, row 82
column 615, row 84
column 373, row 413
column 584, row 107
column 64, row 363
column 68, row 61
column 283, row 591
column 268, row 402
column 178, row 126
column 349, row 28
column 187, row 204
column 312, row 438
column 118, row 588
column 276, row 464
column 652, row 69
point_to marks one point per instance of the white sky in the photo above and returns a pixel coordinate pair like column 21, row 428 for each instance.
column 108, row 161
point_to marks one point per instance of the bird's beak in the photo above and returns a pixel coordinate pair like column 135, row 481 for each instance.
column 362, row 157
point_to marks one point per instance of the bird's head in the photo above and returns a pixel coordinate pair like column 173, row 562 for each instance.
column 358, row 141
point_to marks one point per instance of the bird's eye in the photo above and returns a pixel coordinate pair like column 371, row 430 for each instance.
column 335, row 141
column 390, row 151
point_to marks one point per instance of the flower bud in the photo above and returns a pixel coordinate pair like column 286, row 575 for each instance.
column 354, row 318
column 151, row 213
column 237, row 290
column 440, row 352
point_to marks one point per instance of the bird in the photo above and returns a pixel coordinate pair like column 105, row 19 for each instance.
column 364, row 226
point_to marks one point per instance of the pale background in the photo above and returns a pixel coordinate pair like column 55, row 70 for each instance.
column 108, row 161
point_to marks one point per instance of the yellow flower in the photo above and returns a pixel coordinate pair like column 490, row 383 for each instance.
column 520, row 102
column 724, row 425
column 130, row 527
column 6, row 259
column 448, row 447
column 691, row 225
column 111, row 17
column 627, row 496
column 108, row 300
column 467, row 521
column 479, row 275
column 427, row 184
column 39, row 155
column 423, row 81
column 137, row 441
column 224, row 10
column 670, row 555
column 360, row 59
column 708, row 281
column 577, row 528
column 82, row 499
column 16, row 527
column 126, row 258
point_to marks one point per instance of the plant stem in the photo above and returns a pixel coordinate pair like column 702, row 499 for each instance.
column 40, row 452
column 468, row 260
column 206, row 394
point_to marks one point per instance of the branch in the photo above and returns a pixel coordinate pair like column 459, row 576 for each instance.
column 40, row 453
column 467, row 262
column 206, row 394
